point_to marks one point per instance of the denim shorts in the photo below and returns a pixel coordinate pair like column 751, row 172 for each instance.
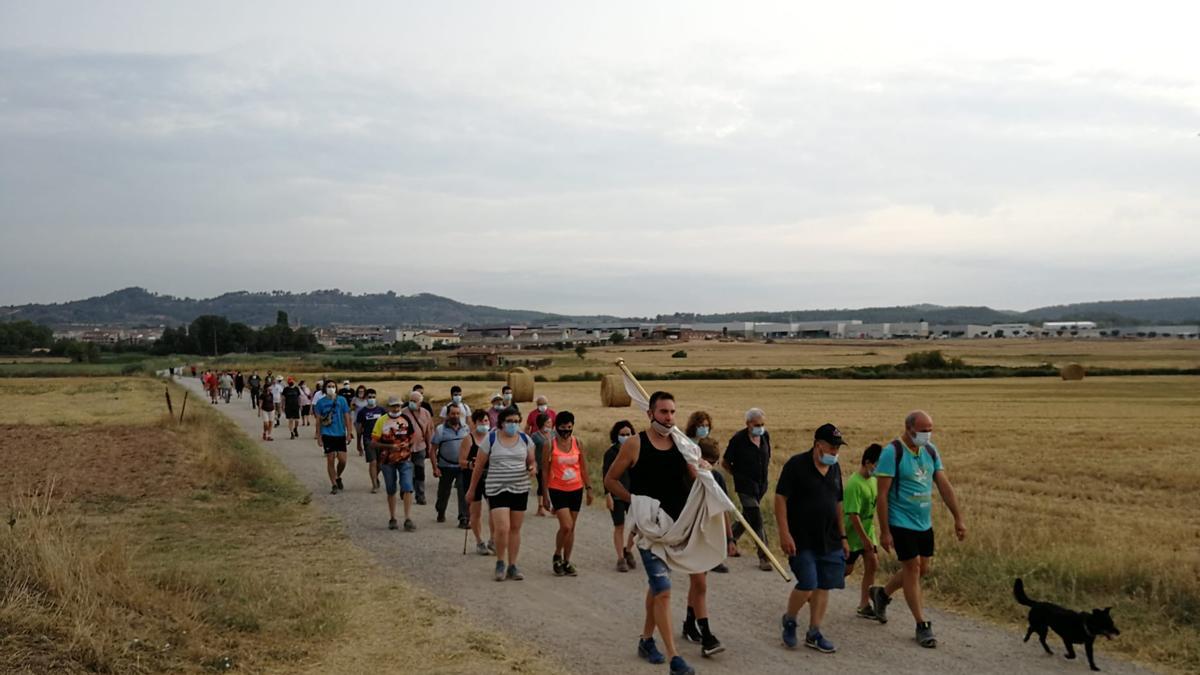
column 657, row 572
column 814, row 570
column 403, row 471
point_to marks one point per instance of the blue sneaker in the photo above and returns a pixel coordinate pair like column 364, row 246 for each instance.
column 649, row 651
column 680, row 667
column 789, row 632
column 814, row 640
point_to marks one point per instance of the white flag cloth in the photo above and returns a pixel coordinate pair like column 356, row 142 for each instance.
column 696, row 541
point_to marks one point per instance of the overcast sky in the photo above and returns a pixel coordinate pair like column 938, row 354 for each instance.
column 616, row 157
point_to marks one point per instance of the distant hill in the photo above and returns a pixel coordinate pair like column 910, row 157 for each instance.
column 1112, row 312
column 139, row 307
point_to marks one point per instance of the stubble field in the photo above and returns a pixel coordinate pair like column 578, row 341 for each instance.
column 1085, row 489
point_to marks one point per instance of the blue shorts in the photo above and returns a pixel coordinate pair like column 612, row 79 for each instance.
column 657, row 572
column 403, row 471
column 818, row 571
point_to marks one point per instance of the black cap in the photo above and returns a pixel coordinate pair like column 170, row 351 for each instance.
column 829, row 434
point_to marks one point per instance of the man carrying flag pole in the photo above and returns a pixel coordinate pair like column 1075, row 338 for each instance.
column 677, row 512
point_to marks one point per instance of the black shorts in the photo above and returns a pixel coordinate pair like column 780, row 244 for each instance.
column 855, row 555
column 516, row 501
column 478, row 496
column 912, row 543
column 305, row 410
column 566, row 499
column 292, row 412
column 333, row 444
column 618, row 512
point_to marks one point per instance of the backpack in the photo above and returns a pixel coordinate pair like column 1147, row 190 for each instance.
column 897, row 448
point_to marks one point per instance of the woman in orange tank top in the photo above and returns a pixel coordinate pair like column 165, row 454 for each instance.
column 564, row 464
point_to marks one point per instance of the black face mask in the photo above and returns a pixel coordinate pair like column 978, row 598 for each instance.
column 565, row 433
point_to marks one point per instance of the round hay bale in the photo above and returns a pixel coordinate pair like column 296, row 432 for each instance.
column 612, row 392
column 521, row 369
column 522, row 385
column 1072, row 371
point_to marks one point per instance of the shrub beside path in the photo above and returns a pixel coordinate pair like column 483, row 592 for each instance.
column 590, row 623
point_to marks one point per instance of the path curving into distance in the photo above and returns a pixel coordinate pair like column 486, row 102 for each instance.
column 590, row 623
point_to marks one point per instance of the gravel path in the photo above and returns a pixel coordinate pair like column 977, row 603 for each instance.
column 590, row 623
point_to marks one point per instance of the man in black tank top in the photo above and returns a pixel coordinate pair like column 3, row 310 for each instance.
column 657, row 469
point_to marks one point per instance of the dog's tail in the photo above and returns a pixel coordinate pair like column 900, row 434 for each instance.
column 1019, row 593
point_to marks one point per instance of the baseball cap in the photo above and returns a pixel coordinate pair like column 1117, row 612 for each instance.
column 394, row 400
column 345, row 383
column 830, row 434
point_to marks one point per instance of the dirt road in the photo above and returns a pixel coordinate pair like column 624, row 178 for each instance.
column 590, row 623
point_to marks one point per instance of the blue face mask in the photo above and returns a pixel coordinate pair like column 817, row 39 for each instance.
column 456, row 398
column 829, row 460
column 511, row 428
column 758, row 431
column 412, row 405
column 371, row 402
column 482, row 428
column 701, row 432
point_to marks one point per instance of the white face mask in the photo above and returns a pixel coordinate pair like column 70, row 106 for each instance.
column 921, row 438
column 543, row 407
column 330, row 391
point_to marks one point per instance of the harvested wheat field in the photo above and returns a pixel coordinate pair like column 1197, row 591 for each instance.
column 1084, row 488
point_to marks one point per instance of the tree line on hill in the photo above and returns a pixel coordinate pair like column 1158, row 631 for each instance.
column 211, row 334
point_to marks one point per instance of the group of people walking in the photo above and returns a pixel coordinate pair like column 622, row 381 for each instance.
column 827, row 521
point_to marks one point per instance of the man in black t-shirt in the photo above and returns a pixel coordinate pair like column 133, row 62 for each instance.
column 808, row 511
column 291, row 406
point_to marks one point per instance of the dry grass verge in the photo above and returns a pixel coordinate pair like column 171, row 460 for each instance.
column 229, row 569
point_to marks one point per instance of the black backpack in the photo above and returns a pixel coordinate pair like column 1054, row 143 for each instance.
column 897, row 448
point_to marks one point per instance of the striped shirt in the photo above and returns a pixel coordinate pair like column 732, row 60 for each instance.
column 507, row 465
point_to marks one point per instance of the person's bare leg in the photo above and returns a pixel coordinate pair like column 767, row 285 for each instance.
column 569, row 540
column 373, row 469
column 870, row 564
column 648, row 624
column 698, row 594
column 391, row 500
column 341, row 463
column 500, row 518
column 796, row 601
column 476, row 526
column 329, row 467
column 662, row 621
column 912, row 587
column 564, row 526
column 816, row 608
column 408, row 497
column 619, row 541
column 515, row 519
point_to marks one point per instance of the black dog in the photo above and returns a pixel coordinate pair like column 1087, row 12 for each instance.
column 1073, row 627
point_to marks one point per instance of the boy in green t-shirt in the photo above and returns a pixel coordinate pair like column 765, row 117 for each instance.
column 858, row 504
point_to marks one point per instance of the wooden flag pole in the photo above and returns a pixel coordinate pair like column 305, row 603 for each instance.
column 762, row 546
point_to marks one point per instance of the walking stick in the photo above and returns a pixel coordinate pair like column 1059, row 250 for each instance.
column 465, row 533
column 762, row 546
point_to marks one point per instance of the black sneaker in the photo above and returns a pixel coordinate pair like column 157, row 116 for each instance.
column 569, row 569
column 721, row 568
column 691, row 633
column 866, row 613
column 339, row 483
column 879, row 603
column 392, row 524
column 463, row 525
column 421, row 501
column 333, row 489
column 441, row 517
column 558, row 566
column 409, row 526
column 710, row 645
column 925, row 636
